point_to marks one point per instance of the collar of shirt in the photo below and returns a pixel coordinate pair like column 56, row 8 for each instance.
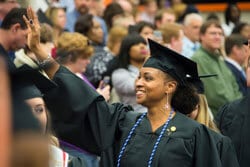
column 133, row 69
column 215, row 55
column 233, row 62
column 188, row 43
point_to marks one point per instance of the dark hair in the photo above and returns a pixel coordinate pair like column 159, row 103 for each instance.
column 160, row 13
column 238, row 27
column 232, row 40
column 228, row 13
column 84, row 23
column 185, row 99
column 209, row 23
column 112, row 10
column 127, row 43
column 13, row 17
column 142, row 24
column 213, row 16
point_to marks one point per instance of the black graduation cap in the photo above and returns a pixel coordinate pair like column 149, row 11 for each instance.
column 28, row 83
column 198, row 84
column 23, row 118
column 171, row 62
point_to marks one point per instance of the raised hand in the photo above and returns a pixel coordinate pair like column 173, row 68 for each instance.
column 33, row 25
column 48, row 63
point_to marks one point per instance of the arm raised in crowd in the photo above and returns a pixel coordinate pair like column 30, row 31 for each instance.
column 49, row 64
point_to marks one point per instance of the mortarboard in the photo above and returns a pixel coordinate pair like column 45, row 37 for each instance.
column 198, row 84
column 171, row 62
column 28, row 83
column 23, row 118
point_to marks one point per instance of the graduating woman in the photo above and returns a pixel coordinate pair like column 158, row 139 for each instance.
column 163, row 136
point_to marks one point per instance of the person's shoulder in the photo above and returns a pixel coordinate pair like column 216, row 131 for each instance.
column 197, row 54
column 125, row 109
column 231, row 112
column 185, row 127
column 120, row 71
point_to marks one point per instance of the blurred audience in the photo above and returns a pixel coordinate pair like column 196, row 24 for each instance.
column 90, row 27
column 223, row 88
column 145, row 29
column 164, row 16
column 172, row 36
column 237, row 54
column 115, row 37
column 74, row 52
column 232, row 17
column 133, row 53
column 6, row 6
column 191, row 28
column 242, row 28
column 181, row 9
column 83, row 7
column 57, row 16
column 149, row 12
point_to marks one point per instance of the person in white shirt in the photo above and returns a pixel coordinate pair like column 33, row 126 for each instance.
column 191, row 28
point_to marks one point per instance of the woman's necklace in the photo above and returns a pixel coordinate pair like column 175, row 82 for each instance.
column 155, row 145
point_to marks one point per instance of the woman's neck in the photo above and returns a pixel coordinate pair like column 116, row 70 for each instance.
column 70, row 67
column 158, row 116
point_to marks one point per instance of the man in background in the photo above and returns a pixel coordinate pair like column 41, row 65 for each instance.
column 223, row 88
column 233, row 120
column 191, row 28
column 237, row 54
column 6, row 6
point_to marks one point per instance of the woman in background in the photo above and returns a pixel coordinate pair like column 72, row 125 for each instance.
column 74, row 52
column 57, row 16
column 133, row 53
column 202, row 112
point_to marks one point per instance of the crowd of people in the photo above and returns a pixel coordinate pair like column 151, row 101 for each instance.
column 147, row 83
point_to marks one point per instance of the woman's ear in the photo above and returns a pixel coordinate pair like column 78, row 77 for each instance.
column 171, row 87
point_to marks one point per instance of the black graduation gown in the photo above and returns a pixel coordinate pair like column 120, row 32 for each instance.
column 82, row 117
column 233, row 120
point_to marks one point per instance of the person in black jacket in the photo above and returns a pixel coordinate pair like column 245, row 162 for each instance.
column 233, row 120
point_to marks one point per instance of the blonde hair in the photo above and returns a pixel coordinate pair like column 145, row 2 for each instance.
column 52, row 13
column 116, row 34
column 204, row 115
column 75, row 44
column 46, row 33
column 170, row 30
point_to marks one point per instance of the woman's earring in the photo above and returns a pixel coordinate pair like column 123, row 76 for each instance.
column 167, row 105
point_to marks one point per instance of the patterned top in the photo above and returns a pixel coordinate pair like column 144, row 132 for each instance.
column 98, row 65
